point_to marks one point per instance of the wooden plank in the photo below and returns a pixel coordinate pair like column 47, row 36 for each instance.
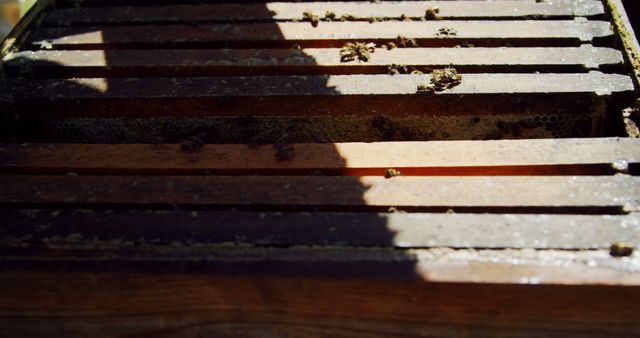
column 212, row 62
column 191, row 305
column 611, row 192
column 434, row 265
column 502, row 157
column 626, row 36
column 547, row 32
column 283, row 11
column 397, row 230
column 481, row 94
column 128, row 3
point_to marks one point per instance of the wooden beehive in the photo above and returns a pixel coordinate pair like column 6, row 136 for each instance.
column 214, row 168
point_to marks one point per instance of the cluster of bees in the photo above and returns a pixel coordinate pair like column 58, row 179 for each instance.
column 441, row 79
column 328, row 16
column 431, row 13
column 357, row 50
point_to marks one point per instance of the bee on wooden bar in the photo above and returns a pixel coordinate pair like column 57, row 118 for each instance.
column 193, row 143
column 446, row 31
column 330, row 16
column 621, row 249
column 441, row 79
column 357, row 50
column 405, row 42
column 347, row 17
column 432, row 13
column 310, row 17
column 389, row 173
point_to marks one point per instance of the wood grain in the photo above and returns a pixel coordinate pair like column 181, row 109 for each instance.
column 285, row 34
column 336, row 95
column 502, row 157
column 397, row 230
column 316, row 191
column 233, row 62
column 293, row 11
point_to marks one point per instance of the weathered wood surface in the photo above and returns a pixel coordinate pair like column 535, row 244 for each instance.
column 150, row 259
column 293, row 11
column 546, row 32
column 433, row 265
column 113, row 304
column 479, row 94
column 195, row 62
column 397, row 230
column 615, row 192
column 504, row 157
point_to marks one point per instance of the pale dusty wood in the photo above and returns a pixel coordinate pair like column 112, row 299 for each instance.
column 594, row 82
column 340, row 191
column 309, row 60
column 293, row 11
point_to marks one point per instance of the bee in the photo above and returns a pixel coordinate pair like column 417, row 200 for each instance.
column 347, row 17
column 432, row 13
column 389, row 173
column 329, row 16
column 397, row 69
column 310, row 17
column 357, row 50
column 446, row 31
column 621, row 249
column 441, row 79
column 284, row 152
column 46, row 45
column 405, row 42
column 193, row 143
column 394, row 210
column 426, row 88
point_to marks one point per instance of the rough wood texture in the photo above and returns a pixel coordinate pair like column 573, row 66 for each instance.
column 480, row 94
column 505, row 157
column 286, row 34
column 101, row 304
column 317, row 191
column 150, row 240
column 434, row 265
column 398, row 230
column 193, row 62
column 293, row 11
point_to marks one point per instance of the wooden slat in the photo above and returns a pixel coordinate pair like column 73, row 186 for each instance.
column 293, row 11
column 479, row 94
column 211, row 62
column 316, row 191
column 396, row 230
column 504, row 157
column 436, row 265
column 193, row 305
column 325, row 35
